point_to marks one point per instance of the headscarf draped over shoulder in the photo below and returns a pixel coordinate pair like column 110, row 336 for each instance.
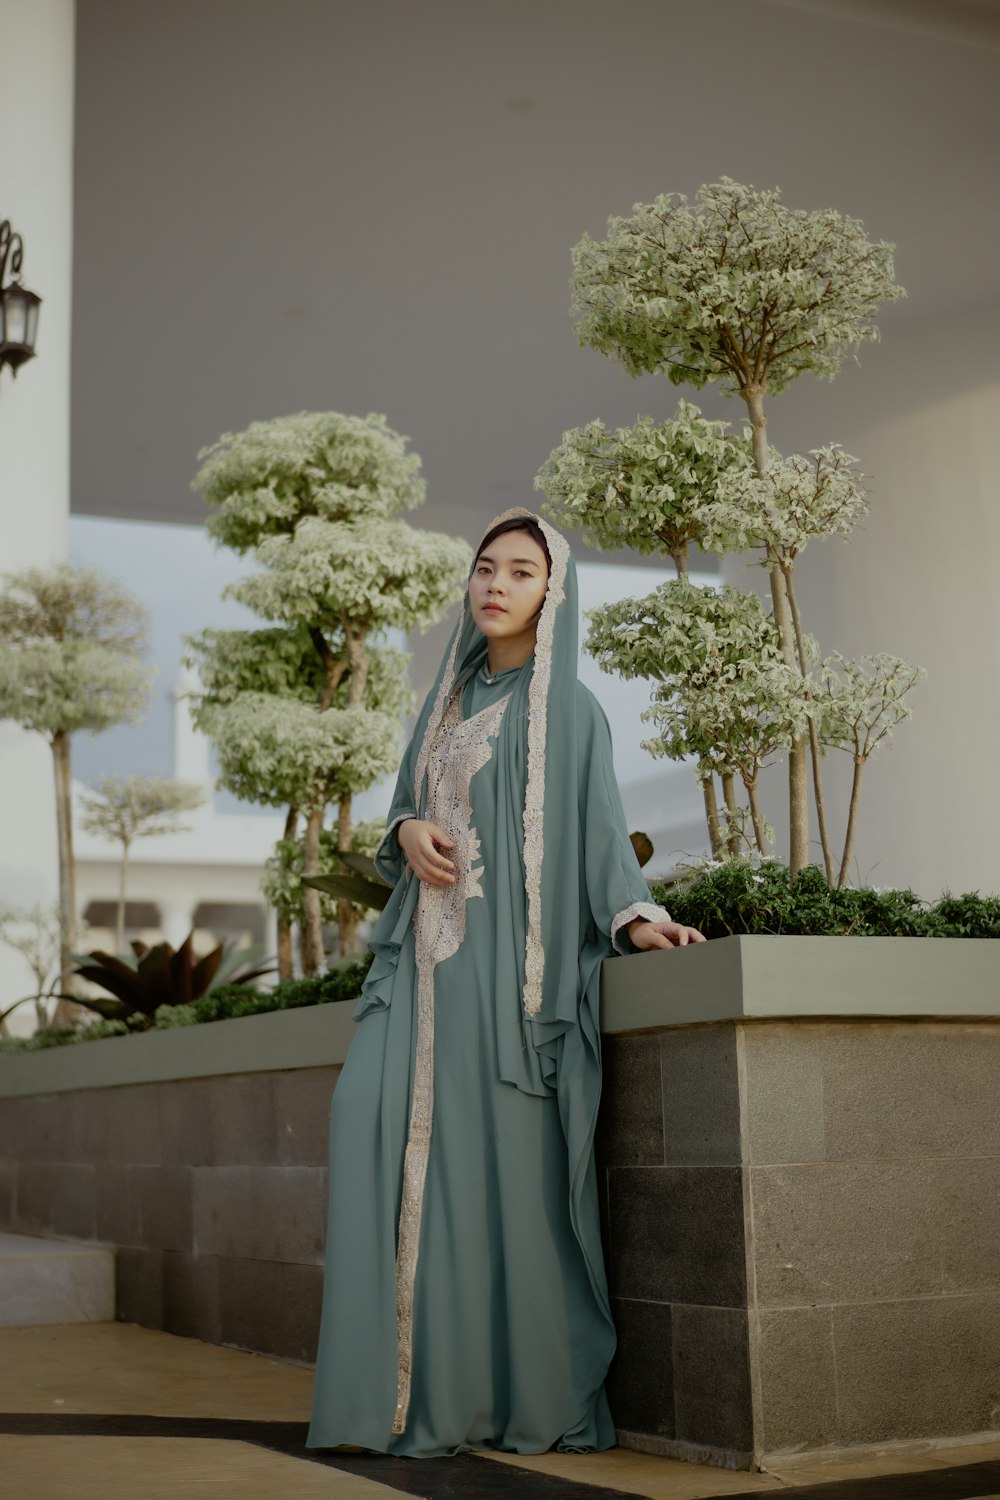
column 545, row 748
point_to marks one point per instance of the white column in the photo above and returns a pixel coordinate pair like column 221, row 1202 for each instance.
column 36, row 194
column 191, row 749
column 176, row 918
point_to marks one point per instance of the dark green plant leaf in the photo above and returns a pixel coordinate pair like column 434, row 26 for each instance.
column 351, row 888
column 362, row 865
column 202, row 974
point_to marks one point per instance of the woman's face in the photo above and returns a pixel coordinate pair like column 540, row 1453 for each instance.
column 510, row 573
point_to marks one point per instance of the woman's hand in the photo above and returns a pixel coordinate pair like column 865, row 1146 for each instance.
column 421, row 843
column 662, row 934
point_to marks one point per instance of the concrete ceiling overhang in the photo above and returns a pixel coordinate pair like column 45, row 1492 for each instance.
column 309, row 205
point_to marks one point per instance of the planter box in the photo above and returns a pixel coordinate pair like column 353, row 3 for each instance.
column 800, row 1168
column 799, row 1157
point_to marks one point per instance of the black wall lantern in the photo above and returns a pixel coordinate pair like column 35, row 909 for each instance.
column 18, row 306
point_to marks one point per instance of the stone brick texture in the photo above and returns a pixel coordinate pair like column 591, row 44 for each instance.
column 212, row 1190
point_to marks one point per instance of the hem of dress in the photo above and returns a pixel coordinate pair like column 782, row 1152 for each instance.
column 396, row 1451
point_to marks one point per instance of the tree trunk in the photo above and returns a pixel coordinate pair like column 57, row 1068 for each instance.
column 312, row 925
column 852, row 818
column 756, row 817
column 814, row 751
column 66, row 1013
column 347, row 912
column 286, row 955
column 357, row 656
column 798, row 782
column 732, row 830
column 711, row 814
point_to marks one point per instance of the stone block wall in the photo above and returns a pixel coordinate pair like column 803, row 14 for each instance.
column 671, row 1179
column 803, row 1225
column 801, row 1219
column 212, row 1189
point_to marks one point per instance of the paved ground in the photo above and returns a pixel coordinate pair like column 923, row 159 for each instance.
column 110, row 1411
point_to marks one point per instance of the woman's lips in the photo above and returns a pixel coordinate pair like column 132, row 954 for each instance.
column 491, row 609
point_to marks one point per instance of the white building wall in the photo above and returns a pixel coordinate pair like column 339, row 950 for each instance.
column 919, row 579
column 36, row 194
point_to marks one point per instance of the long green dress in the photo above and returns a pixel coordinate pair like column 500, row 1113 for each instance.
column 465, row 1304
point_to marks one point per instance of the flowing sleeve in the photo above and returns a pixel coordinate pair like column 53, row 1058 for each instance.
column 389, row 859
column 616, row 888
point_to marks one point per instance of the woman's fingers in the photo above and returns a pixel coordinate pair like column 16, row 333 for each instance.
column 430, row 864
column 666, row 935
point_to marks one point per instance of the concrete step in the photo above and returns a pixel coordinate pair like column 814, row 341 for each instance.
column 55, row 1281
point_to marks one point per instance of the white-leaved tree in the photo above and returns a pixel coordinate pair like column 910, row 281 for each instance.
column 70, row 648
column 282, row 880
column 314, row 499
column 722, row 692
column 739, row 289
column 35, row 932
column 798, row 498
column 860, row 703
column 642, row 486
column 124, row 808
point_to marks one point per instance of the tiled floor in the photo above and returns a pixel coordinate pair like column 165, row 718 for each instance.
column 110, row 1411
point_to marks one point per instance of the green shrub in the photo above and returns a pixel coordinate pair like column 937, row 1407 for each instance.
column 230, row 1000
column 743, row 897
column 61, row 1036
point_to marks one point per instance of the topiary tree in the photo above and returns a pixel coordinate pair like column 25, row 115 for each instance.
column 70, row 642
column 722, row 693
column 35, row 932
column 126, row 808
column 642, row 486
column 738, row 289
column 283, row 875
column 799, row 498
column 314, row 497
column 860, row 703
column 283, row 665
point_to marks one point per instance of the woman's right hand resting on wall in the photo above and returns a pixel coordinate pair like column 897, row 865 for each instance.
column 421, row 843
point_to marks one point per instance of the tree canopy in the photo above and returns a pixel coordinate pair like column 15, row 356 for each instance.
column 735, row 288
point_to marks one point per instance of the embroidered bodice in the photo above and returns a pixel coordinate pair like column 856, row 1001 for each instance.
column 461, row 748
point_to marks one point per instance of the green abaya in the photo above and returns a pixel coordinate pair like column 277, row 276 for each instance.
column 465, row 1303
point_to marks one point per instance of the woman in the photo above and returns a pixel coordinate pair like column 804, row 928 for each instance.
column 465, row 1303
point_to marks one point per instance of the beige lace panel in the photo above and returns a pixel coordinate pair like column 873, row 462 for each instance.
column 534, row 795
column 460, row 748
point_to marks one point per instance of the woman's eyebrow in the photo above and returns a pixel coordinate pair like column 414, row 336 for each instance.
column 484, row 557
